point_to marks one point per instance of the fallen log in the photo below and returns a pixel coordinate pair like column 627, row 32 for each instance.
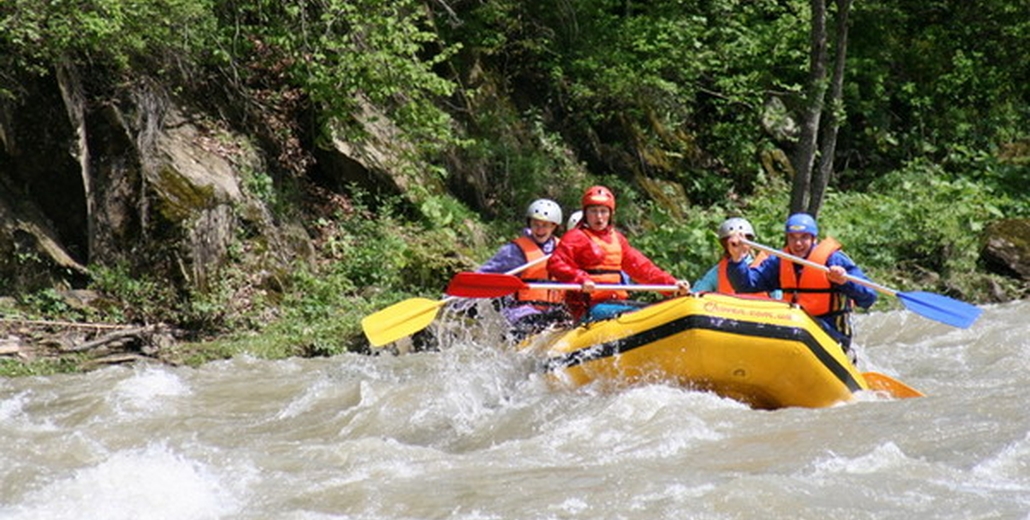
column 140, row 334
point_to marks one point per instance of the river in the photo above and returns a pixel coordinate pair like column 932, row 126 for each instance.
column 474, row 432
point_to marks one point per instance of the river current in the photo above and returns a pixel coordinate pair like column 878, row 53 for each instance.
column 475, row 432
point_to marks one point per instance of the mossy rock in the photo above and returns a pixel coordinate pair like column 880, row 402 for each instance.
column 1006, row 248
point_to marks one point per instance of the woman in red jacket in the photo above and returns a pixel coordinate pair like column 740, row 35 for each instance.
column 594, row 253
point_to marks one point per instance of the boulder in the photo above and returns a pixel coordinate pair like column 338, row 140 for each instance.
column 1006, row 248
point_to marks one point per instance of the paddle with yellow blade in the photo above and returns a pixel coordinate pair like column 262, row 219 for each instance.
column 490, row 285
column 934, row 306
column 405, row 318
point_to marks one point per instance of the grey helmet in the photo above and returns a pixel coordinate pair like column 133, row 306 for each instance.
column 736, row 225
column 545, row 209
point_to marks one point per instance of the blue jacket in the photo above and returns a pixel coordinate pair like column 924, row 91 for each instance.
column 766, row 277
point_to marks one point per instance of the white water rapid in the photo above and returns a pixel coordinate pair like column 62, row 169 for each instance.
column 474, row 432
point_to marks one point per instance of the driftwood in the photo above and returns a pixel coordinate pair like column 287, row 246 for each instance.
column 140, row 334
column 67, row 324
column 104, row 343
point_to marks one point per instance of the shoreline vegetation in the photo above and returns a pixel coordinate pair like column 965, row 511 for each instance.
column 67, row 340
column 185, row 181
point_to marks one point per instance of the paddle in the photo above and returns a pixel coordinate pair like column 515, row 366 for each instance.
column 934, row 306
column 884, row 383
column 491, row 285
column 412, row 315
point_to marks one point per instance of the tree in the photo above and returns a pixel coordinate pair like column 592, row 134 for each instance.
column 813, row 158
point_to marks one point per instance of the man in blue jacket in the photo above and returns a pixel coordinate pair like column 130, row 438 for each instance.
column 827, row 296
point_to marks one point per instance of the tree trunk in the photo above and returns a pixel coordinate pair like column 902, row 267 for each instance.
column 828, row 137
column 815, row 92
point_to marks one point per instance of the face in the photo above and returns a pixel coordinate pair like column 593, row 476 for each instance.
column 597, row 217
column 744, row 247
column 799, row 243
column 541, row 229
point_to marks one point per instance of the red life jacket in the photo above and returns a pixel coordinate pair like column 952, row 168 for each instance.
column 609, row 270
column 724, row 286
column 810, row 288
column 536, row 273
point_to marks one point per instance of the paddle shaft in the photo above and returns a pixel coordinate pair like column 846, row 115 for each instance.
column 511, row 272
column 603, row 287
column 527, row 265
column 798, row 260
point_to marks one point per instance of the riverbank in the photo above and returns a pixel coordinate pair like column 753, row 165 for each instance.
column 29, row 347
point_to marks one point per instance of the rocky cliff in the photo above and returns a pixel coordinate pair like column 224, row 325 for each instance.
column 138, row 178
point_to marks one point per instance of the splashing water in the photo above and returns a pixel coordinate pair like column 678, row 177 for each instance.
column 474, row 431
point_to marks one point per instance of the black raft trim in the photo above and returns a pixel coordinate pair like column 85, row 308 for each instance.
column 744, row 328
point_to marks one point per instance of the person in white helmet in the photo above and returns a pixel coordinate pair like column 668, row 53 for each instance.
column 533, row 309
column 716, row 279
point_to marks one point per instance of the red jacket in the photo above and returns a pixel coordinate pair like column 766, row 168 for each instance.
column 577, row 253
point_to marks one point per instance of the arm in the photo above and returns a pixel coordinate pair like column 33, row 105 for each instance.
column 864, row 296
column 763, row 278
column 508, row 257
column 563, row 265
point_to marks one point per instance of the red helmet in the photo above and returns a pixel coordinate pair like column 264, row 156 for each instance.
column 599, row 196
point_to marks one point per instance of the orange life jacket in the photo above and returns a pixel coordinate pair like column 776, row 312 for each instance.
column 810, row 288
column 536, row 273
column 723, row 285
column 609, row 271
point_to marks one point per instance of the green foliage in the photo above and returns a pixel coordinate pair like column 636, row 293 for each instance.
column 935, row 227
column 522, row 161
column 341, row 53
column 371, row 261
column 926, row 77
column 686, row 249
column 142, row 297
column 47, row 303
column 37, row 35
column 42, row 367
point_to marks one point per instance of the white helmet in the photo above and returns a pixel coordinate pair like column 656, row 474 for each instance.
column 544, row 209
column 736, row 225
column 574, row 219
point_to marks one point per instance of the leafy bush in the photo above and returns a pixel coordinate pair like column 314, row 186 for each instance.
column 935, row 226
column 36, row 36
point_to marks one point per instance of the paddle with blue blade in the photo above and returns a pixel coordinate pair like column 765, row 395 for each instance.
column 934, row 306
column 405, row 318
column 490, row 285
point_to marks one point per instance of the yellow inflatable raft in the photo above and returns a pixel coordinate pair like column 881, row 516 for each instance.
column 766, row 353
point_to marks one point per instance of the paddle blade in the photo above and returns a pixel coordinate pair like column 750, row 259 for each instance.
column 399, row 320
column 484, row 285
column 941, row 308
column 884, row 383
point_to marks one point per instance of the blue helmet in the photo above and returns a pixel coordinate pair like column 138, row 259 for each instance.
column 802, row 223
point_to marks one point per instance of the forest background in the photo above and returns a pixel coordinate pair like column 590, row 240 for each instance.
column 690, row 110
